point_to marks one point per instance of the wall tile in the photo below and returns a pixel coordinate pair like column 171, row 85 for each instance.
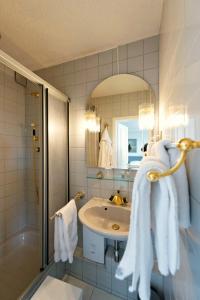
column 105, row 71
column 80, row 64
column 135, row 49
column 131, row 60
column 92, row 74
column 89, row 272
column 80, row 77
column 105, row 57
column 151, row 44
column 151, row 60
column 151, row 76
column 135, row 64
column 68, row 67
column 92, row 61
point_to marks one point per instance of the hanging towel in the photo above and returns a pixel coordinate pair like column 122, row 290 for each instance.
column 169, row 157
column 105, row 152
column 154, row 205
column 65, row 233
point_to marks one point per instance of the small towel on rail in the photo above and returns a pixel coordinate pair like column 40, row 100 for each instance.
column 105, row 152
column 154, row 205
column 65, row 233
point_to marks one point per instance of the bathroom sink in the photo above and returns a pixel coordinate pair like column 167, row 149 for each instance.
column 105, row 218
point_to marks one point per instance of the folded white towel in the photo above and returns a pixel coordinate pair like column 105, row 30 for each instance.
column 105, row 152
column 169, row 157
column 65, row 233
column 157, row 202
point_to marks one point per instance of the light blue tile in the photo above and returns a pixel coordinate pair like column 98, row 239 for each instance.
column 92, row 74
column 89, row 272
column 92, row 61
column 76, row 268
column 105, row 71
column 151, row 76
column 87, row 289
column 101, row 295
column 80, row 77
column 80, row 64
column 105, row 57
column 151, row 60
column 157, row 282
column 90, row 86
column 135, row 49
column 151, row 44
column 135, row 64
column 68, row 67
column 60, row 269
column 103, row 279
column 195, row 213
column 119, row 287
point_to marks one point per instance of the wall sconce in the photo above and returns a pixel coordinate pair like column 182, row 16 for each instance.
column 92, row 121
column 146, row 116
column 177, row 116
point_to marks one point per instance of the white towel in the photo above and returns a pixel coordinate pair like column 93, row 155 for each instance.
column 157, row 202
column 169, row 157
column 65, row 233
column 105, row 152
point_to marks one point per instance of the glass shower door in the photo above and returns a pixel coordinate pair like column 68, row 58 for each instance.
column 20, row 183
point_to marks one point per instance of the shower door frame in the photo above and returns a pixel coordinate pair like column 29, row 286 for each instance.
column 14, row 65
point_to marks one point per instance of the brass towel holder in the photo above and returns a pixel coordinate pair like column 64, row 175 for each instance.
column 78, row 196
column 184, row 145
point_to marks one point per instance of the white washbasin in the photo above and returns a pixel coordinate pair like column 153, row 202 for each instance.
column 99, row 215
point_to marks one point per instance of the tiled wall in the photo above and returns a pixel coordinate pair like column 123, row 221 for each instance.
column 12, row 155
column 180, row 84
column 78, row 79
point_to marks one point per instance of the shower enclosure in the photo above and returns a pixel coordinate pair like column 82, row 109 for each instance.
column 33, row 173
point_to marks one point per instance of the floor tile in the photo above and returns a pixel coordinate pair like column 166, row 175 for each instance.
column 101, row 295
column 87, row 289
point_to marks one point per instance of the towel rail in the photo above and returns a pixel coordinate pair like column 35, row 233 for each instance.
column 78, row 196
column 184, row 145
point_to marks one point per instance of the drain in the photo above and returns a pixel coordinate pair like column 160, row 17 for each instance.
column 115, row 227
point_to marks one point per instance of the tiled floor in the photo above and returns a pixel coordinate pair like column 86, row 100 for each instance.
column 19, row 264
column 90, row 292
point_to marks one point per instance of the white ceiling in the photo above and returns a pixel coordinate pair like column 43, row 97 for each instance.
column 40, row 33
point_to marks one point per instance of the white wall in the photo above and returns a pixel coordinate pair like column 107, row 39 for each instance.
column 180, row 84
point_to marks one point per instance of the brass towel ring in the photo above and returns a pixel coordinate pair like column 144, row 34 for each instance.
column 184, row 145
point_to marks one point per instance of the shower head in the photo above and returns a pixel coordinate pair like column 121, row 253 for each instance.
column 35, row 94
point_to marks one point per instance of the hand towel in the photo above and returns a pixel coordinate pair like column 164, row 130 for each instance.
column 105, row 152
column 169, row 157
column 156, row 201
column 65, row 233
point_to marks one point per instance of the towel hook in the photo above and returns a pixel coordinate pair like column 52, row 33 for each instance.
column 184, row 145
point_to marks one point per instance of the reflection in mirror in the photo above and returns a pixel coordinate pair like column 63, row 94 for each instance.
column 116, row 101
column 127, row 142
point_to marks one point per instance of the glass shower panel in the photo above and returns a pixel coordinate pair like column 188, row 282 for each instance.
column 20, row 183
column 58, row 163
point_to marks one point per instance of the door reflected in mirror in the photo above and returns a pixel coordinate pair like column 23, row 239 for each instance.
column 128, row 140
